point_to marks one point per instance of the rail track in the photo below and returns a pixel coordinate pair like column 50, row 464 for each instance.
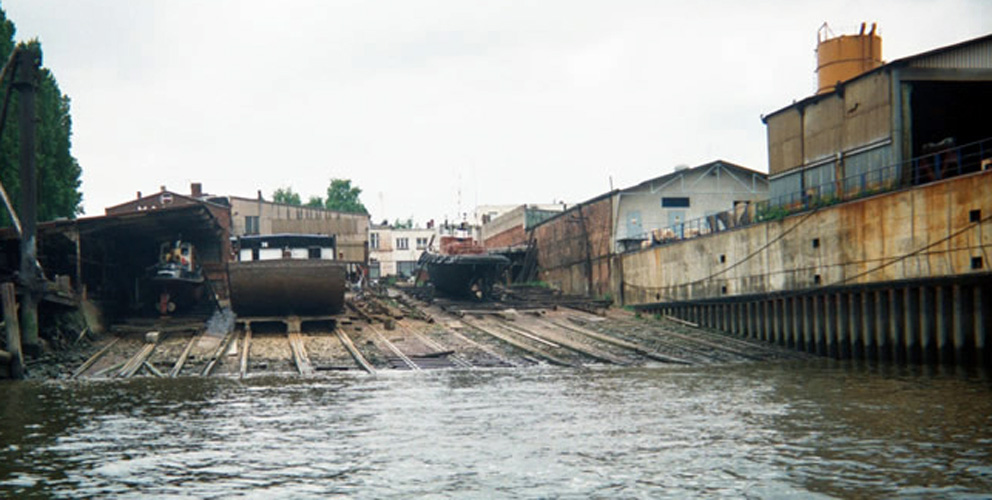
column 401, row 333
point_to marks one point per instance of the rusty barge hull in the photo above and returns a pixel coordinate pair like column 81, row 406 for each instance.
column 287, row 287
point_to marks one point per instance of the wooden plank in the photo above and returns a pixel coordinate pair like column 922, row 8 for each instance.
column 682, row 321
column 13, row 327
column 93, row 359
column 392, row 347
column 520, row 345
column 134, row 364
column 484, row 348
column 219, row 353
column 155, row 371
column 577, row 347
column 111, row 368
column 525, row 333
column 245, row 350
column 350, row 346
column 624, row 344
column 300, row 356
column 178, row 367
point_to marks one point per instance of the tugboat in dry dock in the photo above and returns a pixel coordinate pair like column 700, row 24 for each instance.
column 463, row 268
column 286, row 274
column 177, row 276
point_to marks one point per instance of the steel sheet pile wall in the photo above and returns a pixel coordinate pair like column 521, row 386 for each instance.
column 901, row 276
column 574, row 248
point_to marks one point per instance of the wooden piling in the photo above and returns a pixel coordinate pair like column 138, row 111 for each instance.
column 13, row 329
column 980, row 327
column 960, row 327
column 843, row 334
column 927, row 311
column 911, row 324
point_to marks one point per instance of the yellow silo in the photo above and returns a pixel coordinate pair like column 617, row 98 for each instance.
column 841, row 58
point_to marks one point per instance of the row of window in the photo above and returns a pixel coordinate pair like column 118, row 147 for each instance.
column 401, row 243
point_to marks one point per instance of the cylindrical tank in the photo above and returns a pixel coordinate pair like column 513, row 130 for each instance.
column 841, row 58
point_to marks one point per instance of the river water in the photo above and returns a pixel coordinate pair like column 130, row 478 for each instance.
column 799, row 429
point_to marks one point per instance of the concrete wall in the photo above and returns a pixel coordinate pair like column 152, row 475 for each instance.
column 926, row 232
column 574, row 248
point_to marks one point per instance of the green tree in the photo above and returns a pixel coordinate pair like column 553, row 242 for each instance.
column 287, row 196
column 404, row 224
column 58, row 172
column 315, row 202
column 341, row 196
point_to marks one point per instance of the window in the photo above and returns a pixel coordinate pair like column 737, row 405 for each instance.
column 402, row 243
column 374, row 240
column 251, row 224
column 421, row 243
column 675, row 202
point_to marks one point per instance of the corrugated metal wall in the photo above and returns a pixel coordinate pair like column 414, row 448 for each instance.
column 977, row 56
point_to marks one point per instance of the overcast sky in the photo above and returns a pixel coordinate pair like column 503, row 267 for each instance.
column 429, row 106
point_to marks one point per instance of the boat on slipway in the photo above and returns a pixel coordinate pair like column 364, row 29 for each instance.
column 463, row 269
column 286, row 274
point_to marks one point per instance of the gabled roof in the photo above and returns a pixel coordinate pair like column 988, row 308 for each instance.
column 705, row 166
column 159, row 194
column 905, row 61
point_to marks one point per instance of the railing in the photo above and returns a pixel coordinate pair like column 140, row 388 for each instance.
column 944, row 162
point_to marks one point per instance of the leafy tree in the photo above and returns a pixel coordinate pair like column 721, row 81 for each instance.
column 286, row 195
column 341, row 196
column 407, row 224
column 58, row 172
column 315, row 202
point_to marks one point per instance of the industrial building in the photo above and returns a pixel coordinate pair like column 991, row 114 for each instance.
column 257, row 216
column 875, row 243
column 685, row 203
column 914, row 120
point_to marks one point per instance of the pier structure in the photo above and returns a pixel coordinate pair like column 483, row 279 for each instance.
column 875, row 242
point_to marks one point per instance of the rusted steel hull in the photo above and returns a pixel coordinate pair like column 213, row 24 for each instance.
column 469, row 276
column 286, row 287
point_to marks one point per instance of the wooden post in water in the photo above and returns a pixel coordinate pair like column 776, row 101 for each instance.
column 959, row 333
column 911, row 324
column 843, row 335
column 26, row 85
column 854, row 325
column 13, row 327
column 927, row 309
column 979, row 329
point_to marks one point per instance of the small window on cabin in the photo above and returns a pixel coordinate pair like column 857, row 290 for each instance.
column 254, row 254
column 675, row 202
column 313, row 253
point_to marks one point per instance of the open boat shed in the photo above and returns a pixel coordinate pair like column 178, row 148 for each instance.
column 107, row 259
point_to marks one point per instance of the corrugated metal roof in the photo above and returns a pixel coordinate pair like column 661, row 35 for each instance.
column 977, row 56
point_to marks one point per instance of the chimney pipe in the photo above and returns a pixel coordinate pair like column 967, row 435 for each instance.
column 139, row 195
column 196, row 189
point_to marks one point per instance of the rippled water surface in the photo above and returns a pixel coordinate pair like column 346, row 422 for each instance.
column 808, row 429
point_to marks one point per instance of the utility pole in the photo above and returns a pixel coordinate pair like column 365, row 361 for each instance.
column 26, row 84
